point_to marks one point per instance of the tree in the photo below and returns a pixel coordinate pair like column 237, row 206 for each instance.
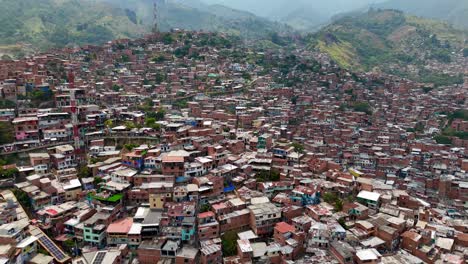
column 338, row 205
column 167, row 39
column 299, row 148
column 342, row 222
column 130, row 147
column 362, row 107
column 129, row 125
column 331, row 198
column 160, row 114
column 84, row 172
column 229, row 243
column 125, row 58
column 109, row 123
column 151, row 123
column 443, row 140
column 294, row 100
column 6, row 133
column 268, row 176
column 205, row 208
column 246, row 76
column 159, row 78
column 8, row 173
column 116, row 88
column 22, row 198
column 159, row 59
column 97, row 181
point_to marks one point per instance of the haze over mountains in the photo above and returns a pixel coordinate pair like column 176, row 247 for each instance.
column 301, row 14
column 312, row 14
column 453, row 11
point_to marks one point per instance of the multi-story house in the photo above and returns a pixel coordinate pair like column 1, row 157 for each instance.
column 40, row 162
column 26, row 128
column 263, row 218
column 63, row 157
column 208, row 227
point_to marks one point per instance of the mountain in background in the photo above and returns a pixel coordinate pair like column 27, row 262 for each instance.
column 390, row 41
column 453, row 11
column 306, row 15
column 57, row 23
column 196, row 15
column 29, row 25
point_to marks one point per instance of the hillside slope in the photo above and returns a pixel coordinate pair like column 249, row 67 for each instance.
column 388, row 40
column 56, row 23
column 195, row 15
column 452, row 11
column 29, row 25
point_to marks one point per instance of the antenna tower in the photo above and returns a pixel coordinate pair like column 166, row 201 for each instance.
column 76, row 133
column 155, row 17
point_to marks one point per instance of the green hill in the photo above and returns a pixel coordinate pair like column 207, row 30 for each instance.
column 452, row 11
column 29, row 25
column 56, row 23
column 387, row 40
column 195, row 15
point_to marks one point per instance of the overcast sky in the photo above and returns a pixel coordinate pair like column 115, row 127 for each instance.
column 280, row 8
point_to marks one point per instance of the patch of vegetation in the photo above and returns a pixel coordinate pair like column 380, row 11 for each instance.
column 459, row 114
column 7, row 134
column 7, row 104
column 130, row 147
column 379, row 38
column 205, row 208
column 8, row 173
column 151, row 123
column 362, row 107
column 97, row 181
column 181, row 104
column 443, row 140
column 333, row 199
column 49, row 23
column 268, row 176
column 84, row 172
column 229, row 243
column 23, row 199
column 299, row 148
column 158, row 115
column 440, row 79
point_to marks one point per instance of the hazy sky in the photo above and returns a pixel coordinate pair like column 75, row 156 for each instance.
column 281, row 8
